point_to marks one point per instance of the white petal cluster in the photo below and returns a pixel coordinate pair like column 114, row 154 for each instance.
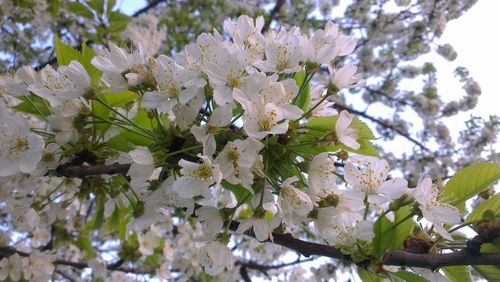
column 427, row 196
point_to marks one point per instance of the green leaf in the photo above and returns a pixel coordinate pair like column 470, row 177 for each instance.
column 239, row 191
column 120, row 143
column 410, row 276
column 383, row 236
column 367, row 148
column 118, row 22
column 54, row 6
column 458, row 273
column 489, row 272
column 110, row 5
column 401, row 232
column 327, row 124
column 492, row 204
column 152, row 261
column 469, row 182
column 97, row 5
column 35, row 106
column 367, row 276
column 64, row 53
column 121, row 99
column 80, row 9
column 304, row 97
column 85, row 60
column 100, row 113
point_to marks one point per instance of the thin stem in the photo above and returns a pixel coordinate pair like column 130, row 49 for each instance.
column 182, row 151
column 314, row 107
column 124, row 117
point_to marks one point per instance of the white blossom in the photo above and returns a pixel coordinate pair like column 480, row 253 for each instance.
column 196, row 177
column 372, row 180
column 346, row 134
column 67, row 83
column 427, row 195
column 215, row 257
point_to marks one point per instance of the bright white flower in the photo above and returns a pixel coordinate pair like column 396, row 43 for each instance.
column 17, row 85
column 247, row 35
column 371, row 180
column 340, row 233
column 219, row 118
column 346, row 134
column 67, row 83
column 26, row 219
column 346, row 76
column 283, row 52
column 142, row 166
column 216, row 257
column 211, row 222
column 171, row 80
column 294, row 201
column 261, row 227
column 326, row 44
column 196, row 177
column 62, row 121
column 270, row 90
column 427, row 195
column 196, row 54
column 226, row 72
column 237, row 159
column 20, row 149
column 321, row 177
column 261, row 119
column 121, row 69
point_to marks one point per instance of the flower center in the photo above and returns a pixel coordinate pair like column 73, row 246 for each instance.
column 204, row 172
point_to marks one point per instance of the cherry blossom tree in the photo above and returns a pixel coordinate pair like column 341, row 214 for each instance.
column 220, row 141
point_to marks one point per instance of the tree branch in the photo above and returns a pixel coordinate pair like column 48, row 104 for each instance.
column 398, row 258
column 81, row 171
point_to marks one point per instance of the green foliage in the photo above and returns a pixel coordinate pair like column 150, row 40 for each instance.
column 304, row 96
column 64, row 53
column 367, row 276
column 492, row 204
column 85, row 60
column 401, row 232
column 384, row 236
column 468, row 182
column 80, row 9
column 489, row 272
column 32, row 104
column 409, row 276
column 458, row 273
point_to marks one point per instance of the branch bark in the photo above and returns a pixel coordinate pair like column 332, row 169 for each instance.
column 398, row 258
column 81, row 171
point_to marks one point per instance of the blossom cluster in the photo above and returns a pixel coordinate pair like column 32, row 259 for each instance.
column 252, row 136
